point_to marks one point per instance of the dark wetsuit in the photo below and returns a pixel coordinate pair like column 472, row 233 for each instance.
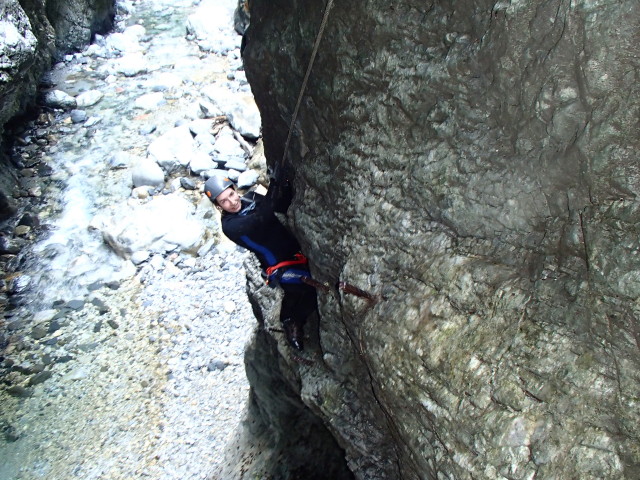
column 256, row 228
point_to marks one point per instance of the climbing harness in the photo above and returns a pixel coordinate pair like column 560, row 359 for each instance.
column 325, row 18
column 298, row 259
column 279, row 273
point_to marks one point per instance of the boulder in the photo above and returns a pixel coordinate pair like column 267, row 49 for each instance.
column 472, row 166
column 227, row 148
column 209, row 26
column 248, row 179
column 88, row 98
column 146, row 172
column 241, row 110
column 173, row 149
column 201, row 162
column 164, row 224
column 59, row 99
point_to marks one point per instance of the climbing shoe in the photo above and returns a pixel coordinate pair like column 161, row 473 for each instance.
column 294, row 333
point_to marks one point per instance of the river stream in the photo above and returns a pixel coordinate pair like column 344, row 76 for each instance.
column 115, row 369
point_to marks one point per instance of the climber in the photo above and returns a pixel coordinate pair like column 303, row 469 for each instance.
column 250, row 222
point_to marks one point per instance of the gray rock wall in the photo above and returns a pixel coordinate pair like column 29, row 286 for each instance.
column 35, row 32
column 474, row 164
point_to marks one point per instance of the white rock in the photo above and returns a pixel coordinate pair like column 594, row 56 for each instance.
column 189, row 262
column 44, row 315
column 147, row 172
column 247, row 179
column 160, row 225
column 77, row 374
column 121, row 160
column 150, row 101
column 204, row 249
column 92, row 120
column 88, row 98
column 236, row 164
column 173, row 149
column 59, row 99
column 244, row 116
column 233, row 175
column 206, row 142
column 139, row 256
column 200, row 126
column 127, row 41
column 210, row 24
column 201, row 162
column 209, row 109
column 229, row 306
column 141, row 193
column 131, row 65
column 227, row 146
column 157, row 262
column 241, row 109
column 136, row 31
column 95, row 50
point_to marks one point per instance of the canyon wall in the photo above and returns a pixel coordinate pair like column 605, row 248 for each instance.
column 473, row 165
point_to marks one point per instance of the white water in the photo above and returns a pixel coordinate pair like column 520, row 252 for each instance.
column 137, row 400
column 80, row 160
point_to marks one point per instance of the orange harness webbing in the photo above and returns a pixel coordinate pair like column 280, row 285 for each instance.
column 298, row 259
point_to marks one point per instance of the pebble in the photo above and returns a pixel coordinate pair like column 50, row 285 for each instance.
column 44, row 315
column 38, row 332
column 187, row 183
column 89, row 98
column 76, row 375
column 75, row 304
column 78, row 116
column 22, row 230
column 229, row 306
column 40, row 377
column 216, row 365
column 140, row 256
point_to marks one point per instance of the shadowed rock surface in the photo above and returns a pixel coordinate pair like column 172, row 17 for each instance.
column 474, row 164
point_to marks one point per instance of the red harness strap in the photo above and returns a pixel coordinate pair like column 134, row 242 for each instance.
column 298, row 259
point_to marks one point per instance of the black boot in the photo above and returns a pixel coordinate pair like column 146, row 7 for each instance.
column 294, row 333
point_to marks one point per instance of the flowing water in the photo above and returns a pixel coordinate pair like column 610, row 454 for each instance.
column 74, row 255
column 141, row 398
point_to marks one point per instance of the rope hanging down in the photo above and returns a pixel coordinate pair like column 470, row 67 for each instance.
column 306, row 77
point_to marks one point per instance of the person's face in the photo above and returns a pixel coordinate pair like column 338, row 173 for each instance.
column 229, row 200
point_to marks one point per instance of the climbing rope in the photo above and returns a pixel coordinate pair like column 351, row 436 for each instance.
column 306, row 77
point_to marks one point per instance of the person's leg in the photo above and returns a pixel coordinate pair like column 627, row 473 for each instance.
column 298, row 303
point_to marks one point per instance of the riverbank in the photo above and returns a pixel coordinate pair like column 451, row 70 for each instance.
column 119, row 367
column 153, row 388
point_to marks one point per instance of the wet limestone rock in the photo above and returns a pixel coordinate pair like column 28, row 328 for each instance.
column 76, row 21
column 32, row 34
column 474, row 165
